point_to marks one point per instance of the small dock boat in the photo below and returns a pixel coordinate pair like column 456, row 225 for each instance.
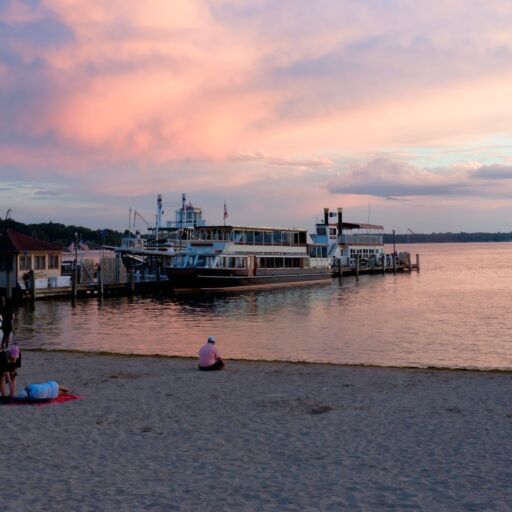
column 345, row 242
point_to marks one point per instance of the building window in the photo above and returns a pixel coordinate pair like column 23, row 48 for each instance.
column 53, row 261
column 25, row 262
column 40, row 262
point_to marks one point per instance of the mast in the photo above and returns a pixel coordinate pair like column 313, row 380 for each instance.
column 184, row 209
column 159, row 212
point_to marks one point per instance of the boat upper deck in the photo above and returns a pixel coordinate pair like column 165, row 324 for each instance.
column 249, row 235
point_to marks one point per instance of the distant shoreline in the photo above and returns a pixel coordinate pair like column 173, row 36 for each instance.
column 443, row 238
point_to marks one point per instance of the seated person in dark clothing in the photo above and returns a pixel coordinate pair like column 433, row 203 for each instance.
column 209, row 357
column 10, row 360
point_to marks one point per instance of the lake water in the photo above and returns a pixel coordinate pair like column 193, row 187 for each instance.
column 454, row 313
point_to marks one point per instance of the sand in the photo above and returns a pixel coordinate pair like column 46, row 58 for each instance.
column 156, row 434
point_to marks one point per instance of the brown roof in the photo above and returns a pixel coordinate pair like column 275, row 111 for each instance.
column 13, row 241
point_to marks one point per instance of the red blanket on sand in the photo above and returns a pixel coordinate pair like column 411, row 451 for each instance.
column 59, row 400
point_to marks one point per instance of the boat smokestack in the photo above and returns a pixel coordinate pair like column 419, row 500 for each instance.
column 340, row 221
column 326, row 216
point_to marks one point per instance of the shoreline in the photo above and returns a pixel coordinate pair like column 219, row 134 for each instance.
column 271, row 361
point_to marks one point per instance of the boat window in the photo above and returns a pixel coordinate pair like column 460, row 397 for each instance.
column 267, row 237
column 320, row 231
column 179, row 261
column 249, row 237
column 286, row 238
column 258, row 237
column 276, row 237
column 332, row 231
column 241, row 262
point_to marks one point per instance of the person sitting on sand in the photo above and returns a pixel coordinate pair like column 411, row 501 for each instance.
column 209, row 357
column 10, row 361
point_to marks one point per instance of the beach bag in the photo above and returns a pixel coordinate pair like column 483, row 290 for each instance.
column 43, row 391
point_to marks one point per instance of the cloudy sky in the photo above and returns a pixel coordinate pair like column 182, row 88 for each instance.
column 399, row 111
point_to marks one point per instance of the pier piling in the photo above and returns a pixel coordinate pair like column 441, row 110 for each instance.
column 357, row 266
column 32, row 285
column 100, row 280
column 417, row 262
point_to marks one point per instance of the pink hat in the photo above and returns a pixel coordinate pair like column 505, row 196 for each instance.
column 14, row 352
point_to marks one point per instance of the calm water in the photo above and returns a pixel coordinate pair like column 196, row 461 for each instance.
column 455, row 313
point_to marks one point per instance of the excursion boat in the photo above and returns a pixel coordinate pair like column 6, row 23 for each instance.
column 218, row 257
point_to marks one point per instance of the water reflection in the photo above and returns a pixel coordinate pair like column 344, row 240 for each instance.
column 455, row 313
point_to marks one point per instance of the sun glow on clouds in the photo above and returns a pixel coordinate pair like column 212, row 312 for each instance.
column 126, row 98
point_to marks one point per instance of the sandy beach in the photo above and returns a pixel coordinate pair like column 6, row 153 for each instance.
column 153, row 433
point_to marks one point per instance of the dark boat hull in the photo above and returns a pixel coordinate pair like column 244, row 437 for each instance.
column 222, row 279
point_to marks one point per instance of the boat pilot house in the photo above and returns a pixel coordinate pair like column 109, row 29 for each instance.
column 20, row 254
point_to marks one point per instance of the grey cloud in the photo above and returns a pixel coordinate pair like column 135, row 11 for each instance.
column 395, row 180
column 493, row 172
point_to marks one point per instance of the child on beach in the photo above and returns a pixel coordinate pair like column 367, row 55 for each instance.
column 209, row 357
column 43, row 391
column 10, row 361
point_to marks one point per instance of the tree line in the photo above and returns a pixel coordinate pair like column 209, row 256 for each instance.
column 424, row 238
column 63, row 235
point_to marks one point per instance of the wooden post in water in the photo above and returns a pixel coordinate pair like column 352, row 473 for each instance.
column 409, row 260
column 394, row 263
column 357, row 266
column 100, row 279
column 74, row 283
column 383, row 263
column 131, row 281
column 32, row 285
column 417, row 262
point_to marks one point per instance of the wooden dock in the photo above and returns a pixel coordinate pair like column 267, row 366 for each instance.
column 127, row 284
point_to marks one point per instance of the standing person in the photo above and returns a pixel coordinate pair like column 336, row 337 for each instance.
column 10, row 361
column 209, row 357
column 7, row 318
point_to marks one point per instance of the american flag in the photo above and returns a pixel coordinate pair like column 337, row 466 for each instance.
column 225, row 211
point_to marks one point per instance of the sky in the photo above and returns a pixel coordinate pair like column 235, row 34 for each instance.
column 398, row 111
